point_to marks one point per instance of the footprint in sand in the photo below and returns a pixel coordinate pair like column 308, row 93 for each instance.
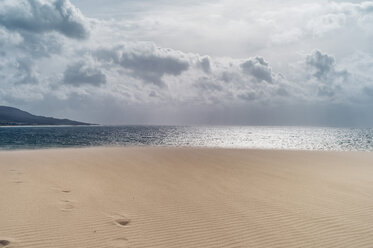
column 59, row 189
column 15, row 172
column 4, row 243
column 122, row 221
column 67, row 205
column 118, row 243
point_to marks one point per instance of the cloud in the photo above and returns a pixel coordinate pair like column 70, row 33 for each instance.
column 322, row 67
column 146, row 61
column 25, row 72
column 249, row 96
column 80, row 73
column 207, row 85
column 258, row 68
column 36, row 16
column 319, row 77
column 205, row 64
column 368, row 91
column 322, row 64
column 51, row 60
column 39, row 46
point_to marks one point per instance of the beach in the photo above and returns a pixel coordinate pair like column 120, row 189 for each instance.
column 185, row 197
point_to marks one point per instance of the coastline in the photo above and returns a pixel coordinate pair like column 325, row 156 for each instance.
column 185, row 197
column 162, row 146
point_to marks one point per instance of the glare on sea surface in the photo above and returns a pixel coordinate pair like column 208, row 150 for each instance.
column 259, row 137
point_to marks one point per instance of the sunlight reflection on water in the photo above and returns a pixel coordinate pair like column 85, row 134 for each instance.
column 299, row 138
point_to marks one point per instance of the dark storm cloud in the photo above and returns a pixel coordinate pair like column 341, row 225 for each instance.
column 258, row 68
column 80, row 74
column 148, row 63
column 35, row 16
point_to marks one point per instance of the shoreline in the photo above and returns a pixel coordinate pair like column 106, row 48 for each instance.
column 176, row 147
column 185, row 197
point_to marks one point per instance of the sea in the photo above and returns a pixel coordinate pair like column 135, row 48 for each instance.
column 255, row 137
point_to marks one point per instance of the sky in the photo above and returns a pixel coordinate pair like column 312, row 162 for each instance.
column 169, row 62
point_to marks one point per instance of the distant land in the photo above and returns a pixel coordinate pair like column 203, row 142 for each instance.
column 10, row 116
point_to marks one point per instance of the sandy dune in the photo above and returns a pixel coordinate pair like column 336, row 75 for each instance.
column 184, row 197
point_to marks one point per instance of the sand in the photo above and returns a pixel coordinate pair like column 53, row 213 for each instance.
column 185, row 197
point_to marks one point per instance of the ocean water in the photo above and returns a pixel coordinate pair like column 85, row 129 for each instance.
column 292, row 138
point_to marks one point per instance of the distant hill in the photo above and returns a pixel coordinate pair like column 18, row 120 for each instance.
column 15, row 117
